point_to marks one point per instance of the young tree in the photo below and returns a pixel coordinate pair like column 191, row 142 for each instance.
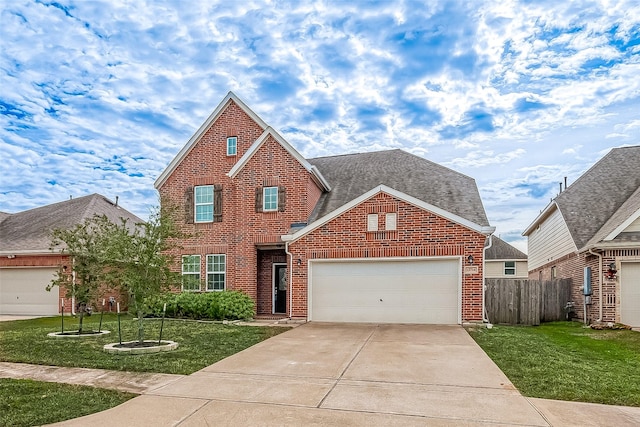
column 141, row 259
column 85, row 245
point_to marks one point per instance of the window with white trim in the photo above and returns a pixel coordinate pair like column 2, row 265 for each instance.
column 191, row 273
column 203, row 198
column 372, row 222
column 509, row 268
column 232, row 145
column 216, row 272
column 270, row 199
column 390, row 221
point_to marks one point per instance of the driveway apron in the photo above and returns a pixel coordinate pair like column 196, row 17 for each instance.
column 339, row 374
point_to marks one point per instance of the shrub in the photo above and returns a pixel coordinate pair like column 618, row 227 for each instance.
column 226, row 305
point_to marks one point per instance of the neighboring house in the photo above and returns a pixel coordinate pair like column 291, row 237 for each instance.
column 27, row 263
column 595, row 223
column 503, row 261
column 372, row 237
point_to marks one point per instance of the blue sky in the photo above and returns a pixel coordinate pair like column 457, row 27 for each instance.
column 99, row 96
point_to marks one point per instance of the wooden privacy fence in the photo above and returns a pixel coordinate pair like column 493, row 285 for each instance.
column 526, row 302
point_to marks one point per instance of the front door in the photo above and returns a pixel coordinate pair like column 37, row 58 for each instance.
column 280, row 288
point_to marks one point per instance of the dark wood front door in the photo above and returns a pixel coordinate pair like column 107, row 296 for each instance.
column 280, row 289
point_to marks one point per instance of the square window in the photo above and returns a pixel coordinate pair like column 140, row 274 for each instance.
column 509, row 268
column 372, row 222
column 390, row 221
column 270, row 199
column 191, row 272
column 203, row 203
column 232, row 145
column 216, row 272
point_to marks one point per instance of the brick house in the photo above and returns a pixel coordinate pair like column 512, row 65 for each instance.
column 27, row 263
column 384, row 236
column 592, row 230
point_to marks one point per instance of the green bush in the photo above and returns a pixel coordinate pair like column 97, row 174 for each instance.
column 226, row 305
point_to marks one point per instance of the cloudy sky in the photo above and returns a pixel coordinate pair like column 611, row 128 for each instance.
column 99, row 96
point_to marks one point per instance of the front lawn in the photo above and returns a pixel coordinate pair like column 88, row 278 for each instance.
column 29, row 403
column 566, row 361
column 200, row 343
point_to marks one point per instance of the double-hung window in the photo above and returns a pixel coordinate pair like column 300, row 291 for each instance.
column 509, row 268
column 204, row 203
column 191, row 272
column 232, row 145
column 216, row 272
column 270, row 199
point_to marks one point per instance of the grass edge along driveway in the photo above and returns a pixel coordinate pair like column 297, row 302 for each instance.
column 27, row 402
column 566, row 361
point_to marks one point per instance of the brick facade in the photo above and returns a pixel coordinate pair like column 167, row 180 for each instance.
column 251, row 239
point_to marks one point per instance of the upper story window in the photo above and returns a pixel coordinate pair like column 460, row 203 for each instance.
column 203, row 203
column 191, row 272
column 509, row 268
column 270, row 199
column 232, row 145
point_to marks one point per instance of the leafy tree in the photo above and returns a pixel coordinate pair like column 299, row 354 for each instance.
column 85, row 245
column 141, row 259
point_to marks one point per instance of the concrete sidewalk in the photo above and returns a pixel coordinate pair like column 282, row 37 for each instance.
column 323, row 374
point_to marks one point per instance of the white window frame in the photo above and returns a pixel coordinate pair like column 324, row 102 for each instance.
column 233, row 139
column 513, row 269
column 270, row 199
column 212, row 272
column 191, row 271
column 391, row 221
column 372, row 222
column 198, row 203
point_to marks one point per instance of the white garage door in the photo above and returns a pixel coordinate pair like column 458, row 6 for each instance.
column 385, row 291
column 630, row 294
column 22, row 291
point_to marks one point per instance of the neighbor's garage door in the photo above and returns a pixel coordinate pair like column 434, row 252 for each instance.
column 630, row 294
column 411, row 291
column 22, row 291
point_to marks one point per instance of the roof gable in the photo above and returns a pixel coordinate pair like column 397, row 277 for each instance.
column 30, row 231
column 270, row 132
column 599, row 199
column 231, row 97
column 354, row 174
column 503, row 251
column 484, row 229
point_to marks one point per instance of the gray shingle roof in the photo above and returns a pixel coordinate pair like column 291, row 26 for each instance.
column 352, row 175
column 593, row 200
column 502, row 250
column 31, row 230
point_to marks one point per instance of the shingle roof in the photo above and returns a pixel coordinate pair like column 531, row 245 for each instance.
column 502, row 250
column 352, row 175
column 30, row 230
column 593, row 200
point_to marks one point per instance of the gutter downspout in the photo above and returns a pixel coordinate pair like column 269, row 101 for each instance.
column 600, row 273
column 290, row 291
column 485, row 318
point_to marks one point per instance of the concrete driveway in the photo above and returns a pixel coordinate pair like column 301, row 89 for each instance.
column 338, row 374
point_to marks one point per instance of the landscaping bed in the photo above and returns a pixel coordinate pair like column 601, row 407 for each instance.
column 566, row 361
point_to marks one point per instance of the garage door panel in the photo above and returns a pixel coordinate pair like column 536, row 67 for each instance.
column 23, row 291
column 630, row 294
column 415, row 291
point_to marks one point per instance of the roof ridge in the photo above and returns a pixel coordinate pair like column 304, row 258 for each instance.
column 356, row 154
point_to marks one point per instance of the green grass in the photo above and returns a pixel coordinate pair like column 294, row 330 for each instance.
column 29, row 403
column 565, row 361
column 200, row 344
